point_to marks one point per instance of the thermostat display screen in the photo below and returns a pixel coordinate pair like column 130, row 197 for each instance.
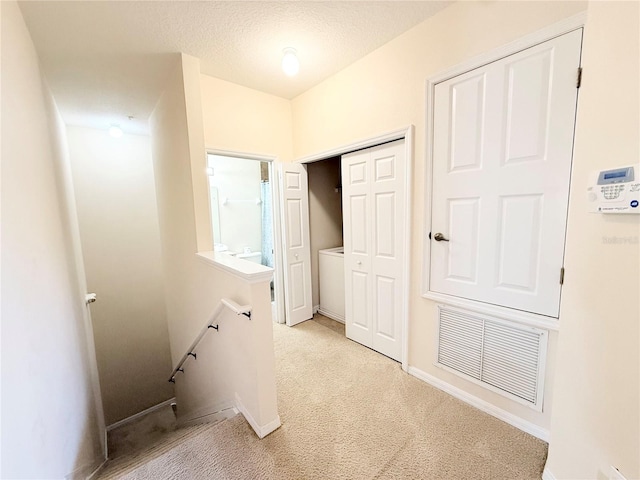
column 618, row 175
column 607, row 176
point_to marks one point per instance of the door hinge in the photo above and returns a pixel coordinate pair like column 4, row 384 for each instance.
column 579, row 78
column 562, row 276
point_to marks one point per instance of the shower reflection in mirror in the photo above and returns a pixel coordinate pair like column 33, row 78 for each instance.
column 241, row 208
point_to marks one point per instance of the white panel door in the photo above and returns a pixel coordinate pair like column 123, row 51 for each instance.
column 502, row 149
column 373, row 211
column 356, row 214
column 297, row 250
column 387, row 256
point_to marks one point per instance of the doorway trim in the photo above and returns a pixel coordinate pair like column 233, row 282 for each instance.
column 278, row 281
column 406, row 133
column 545, row 34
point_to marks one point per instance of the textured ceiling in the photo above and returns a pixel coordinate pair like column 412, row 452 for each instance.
column 105, row 61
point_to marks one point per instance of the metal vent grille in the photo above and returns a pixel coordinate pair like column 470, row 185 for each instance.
column 503, row 356
column 461, row 343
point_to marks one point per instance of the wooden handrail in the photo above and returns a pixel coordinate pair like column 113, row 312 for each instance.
column 224, row 303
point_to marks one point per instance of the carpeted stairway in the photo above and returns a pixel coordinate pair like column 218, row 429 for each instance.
column 347, row 413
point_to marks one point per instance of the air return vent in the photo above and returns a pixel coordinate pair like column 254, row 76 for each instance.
column 503, row 356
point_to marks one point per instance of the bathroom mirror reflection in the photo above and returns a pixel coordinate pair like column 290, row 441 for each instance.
column 215, row 211
column 241, row 210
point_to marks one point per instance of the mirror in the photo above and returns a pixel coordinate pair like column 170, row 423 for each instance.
column 215, row 212
column 240, row 197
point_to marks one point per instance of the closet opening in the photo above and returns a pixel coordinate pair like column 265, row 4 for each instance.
column 327, row 239
column 358, row 249
column 348, row 210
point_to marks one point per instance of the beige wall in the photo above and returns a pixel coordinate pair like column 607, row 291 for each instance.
column 236, row 360
column 51, row 411
column 176, row 217
column 194, row 288
column 595, row 402
column 243, row 120
column 385, row 91
column 197, row 153
column 325, row 214
column 116, row 198
column 596, row 409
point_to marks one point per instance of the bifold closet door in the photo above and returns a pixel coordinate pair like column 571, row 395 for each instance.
column 297, row 245
column 373, row 182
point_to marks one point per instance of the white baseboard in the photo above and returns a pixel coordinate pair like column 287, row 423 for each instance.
column 261, row 430
column 480, row 404
column 332, row 316
column 97, row 471
column 149, row 410
column 316, row 309
column 547, row 475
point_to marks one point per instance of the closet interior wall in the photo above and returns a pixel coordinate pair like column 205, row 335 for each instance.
column 325, row 213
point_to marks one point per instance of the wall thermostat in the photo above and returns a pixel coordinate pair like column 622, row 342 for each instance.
column 615, row 191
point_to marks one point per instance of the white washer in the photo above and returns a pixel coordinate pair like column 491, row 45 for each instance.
column 331, row 273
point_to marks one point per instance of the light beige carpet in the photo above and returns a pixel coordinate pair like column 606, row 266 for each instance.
column 126, row 456
column 350, row 413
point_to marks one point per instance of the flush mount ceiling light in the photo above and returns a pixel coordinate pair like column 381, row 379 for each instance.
column 290, row 63
column 115, row 131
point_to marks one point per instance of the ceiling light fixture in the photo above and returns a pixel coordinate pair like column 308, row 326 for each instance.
column 115, row 131
column 290, row 63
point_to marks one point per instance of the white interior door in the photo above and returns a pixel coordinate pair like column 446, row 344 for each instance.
column 297, row 251
column 356, row 217
column 373, row 211
column 502, row 148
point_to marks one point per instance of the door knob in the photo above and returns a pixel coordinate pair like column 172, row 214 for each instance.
column 438, row 237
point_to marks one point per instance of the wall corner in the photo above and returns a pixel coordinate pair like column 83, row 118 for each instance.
column 197, row 151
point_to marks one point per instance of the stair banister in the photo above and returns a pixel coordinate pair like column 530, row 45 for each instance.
column 225, row 302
